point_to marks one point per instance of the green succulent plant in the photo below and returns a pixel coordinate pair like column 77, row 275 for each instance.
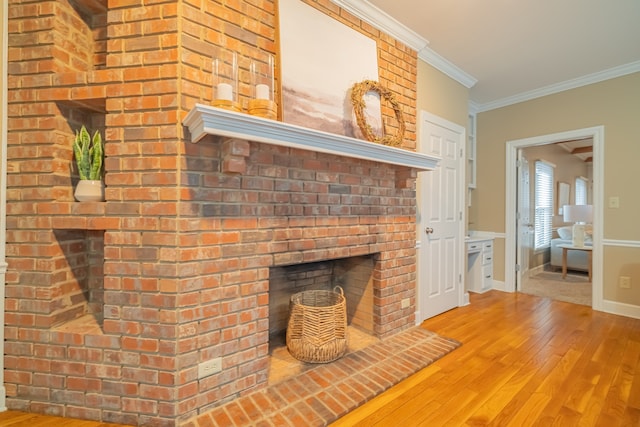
column 89, row 154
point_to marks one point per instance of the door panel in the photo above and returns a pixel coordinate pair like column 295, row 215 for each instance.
column 439, row 221
column 523, row 220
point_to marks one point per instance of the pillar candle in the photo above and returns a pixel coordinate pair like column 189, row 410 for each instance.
column 224, row 92
column 262, row 91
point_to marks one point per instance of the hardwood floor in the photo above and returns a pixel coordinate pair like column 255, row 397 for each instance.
column 525, row 361
column 22, row 419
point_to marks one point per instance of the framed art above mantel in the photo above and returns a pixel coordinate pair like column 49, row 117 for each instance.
column 320, row 60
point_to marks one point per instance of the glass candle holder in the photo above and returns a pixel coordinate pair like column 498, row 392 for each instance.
column 262, row 102
column 225, row 80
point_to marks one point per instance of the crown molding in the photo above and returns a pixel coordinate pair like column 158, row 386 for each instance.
column 600, row 76
column 429, row 56
column 371, row 14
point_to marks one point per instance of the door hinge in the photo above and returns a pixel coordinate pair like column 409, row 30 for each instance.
column 460, row 278
column 517, row 267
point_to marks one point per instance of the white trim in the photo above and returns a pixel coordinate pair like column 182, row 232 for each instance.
column 600, row 76
column 621, row 309
column 205, row 120
column 546, row 162
column 478, row 234
column 498, row 286
column 3, row 191
column 474, row 107
column 621, row 243
column 597, row 133
column 383, row 21
column 432, row 58
column 463, row 295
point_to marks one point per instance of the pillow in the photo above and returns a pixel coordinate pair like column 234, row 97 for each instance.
column 565, row 233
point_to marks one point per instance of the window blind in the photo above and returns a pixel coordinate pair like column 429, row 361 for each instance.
column 543, row 204
column 581, row 191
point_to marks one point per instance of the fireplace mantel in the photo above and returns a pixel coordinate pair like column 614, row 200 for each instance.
column 205, row 120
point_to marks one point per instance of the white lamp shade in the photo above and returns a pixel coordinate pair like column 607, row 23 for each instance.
column 578, row 213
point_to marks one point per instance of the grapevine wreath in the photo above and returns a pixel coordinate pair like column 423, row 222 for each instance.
column 357, row 99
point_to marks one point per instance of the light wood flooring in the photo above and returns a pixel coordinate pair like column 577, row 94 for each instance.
column 524, row 361
column 22, row 419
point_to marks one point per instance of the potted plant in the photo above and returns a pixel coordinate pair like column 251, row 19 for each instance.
column 89, row 155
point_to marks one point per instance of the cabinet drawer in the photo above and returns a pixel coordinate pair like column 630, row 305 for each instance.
column 487, row 258
column 487, row 273
column 487, row 246
column 474, row 247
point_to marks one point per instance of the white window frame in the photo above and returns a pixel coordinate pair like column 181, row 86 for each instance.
column 543, row 203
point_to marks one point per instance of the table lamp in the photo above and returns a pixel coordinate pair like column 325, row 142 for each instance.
column 580, row 215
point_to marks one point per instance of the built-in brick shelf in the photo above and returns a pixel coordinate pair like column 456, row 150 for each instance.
column 78, row 215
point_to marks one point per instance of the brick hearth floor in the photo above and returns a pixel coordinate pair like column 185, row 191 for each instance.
column 326, row 392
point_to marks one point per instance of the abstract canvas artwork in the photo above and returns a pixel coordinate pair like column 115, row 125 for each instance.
column 320, row 60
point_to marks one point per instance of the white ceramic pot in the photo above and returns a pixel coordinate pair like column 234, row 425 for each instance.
column 89, row 191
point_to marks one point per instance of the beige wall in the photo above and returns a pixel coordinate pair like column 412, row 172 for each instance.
column 441, row 95
column 614, row 104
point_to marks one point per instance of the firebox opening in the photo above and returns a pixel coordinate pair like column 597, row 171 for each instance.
column 354, row 275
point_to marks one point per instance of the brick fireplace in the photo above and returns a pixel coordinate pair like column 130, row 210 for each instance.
column 112, row 307
column 318, row 211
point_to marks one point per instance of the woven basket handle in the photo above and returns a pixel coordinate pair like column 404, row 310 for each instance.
column 340, row 289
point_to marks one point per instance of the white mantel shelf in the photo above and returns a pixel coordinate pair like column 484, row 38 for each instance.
column 205, row 120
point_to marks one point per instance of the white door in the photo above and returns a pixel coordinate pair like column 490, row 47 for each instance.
column 523, row 219
column 440, row 220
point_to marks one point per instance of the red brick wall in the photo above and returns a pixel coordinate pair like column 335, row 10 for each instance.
column 111, row 306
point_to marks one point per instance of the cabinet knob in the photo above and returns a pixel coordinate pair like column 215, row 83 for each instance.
column 428, row 230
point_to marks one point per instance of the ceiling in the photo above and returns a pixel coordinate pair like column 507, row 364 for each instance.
column 519, row 49
column 581, row 148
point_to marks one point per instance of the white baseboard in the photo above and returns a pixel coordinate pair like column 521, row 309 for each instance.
column 499, row 286
column 621, row 309
column 535, row 270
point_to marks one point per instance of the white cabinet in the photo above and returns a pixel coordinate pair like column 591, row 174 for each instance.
column 479, row 265
column 471, row 152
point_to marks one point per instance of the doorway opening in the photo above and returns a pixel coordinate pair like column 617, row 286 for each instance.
column 513, row 275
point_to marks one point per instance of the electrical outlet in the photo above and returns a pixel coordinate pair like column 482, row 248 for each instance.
column 614, row 202
column 405, row 302
column 210, row 367
column 624, row 282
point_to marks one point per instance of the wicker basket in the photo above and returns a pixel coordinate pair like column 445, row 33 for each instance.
column 317, row 329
